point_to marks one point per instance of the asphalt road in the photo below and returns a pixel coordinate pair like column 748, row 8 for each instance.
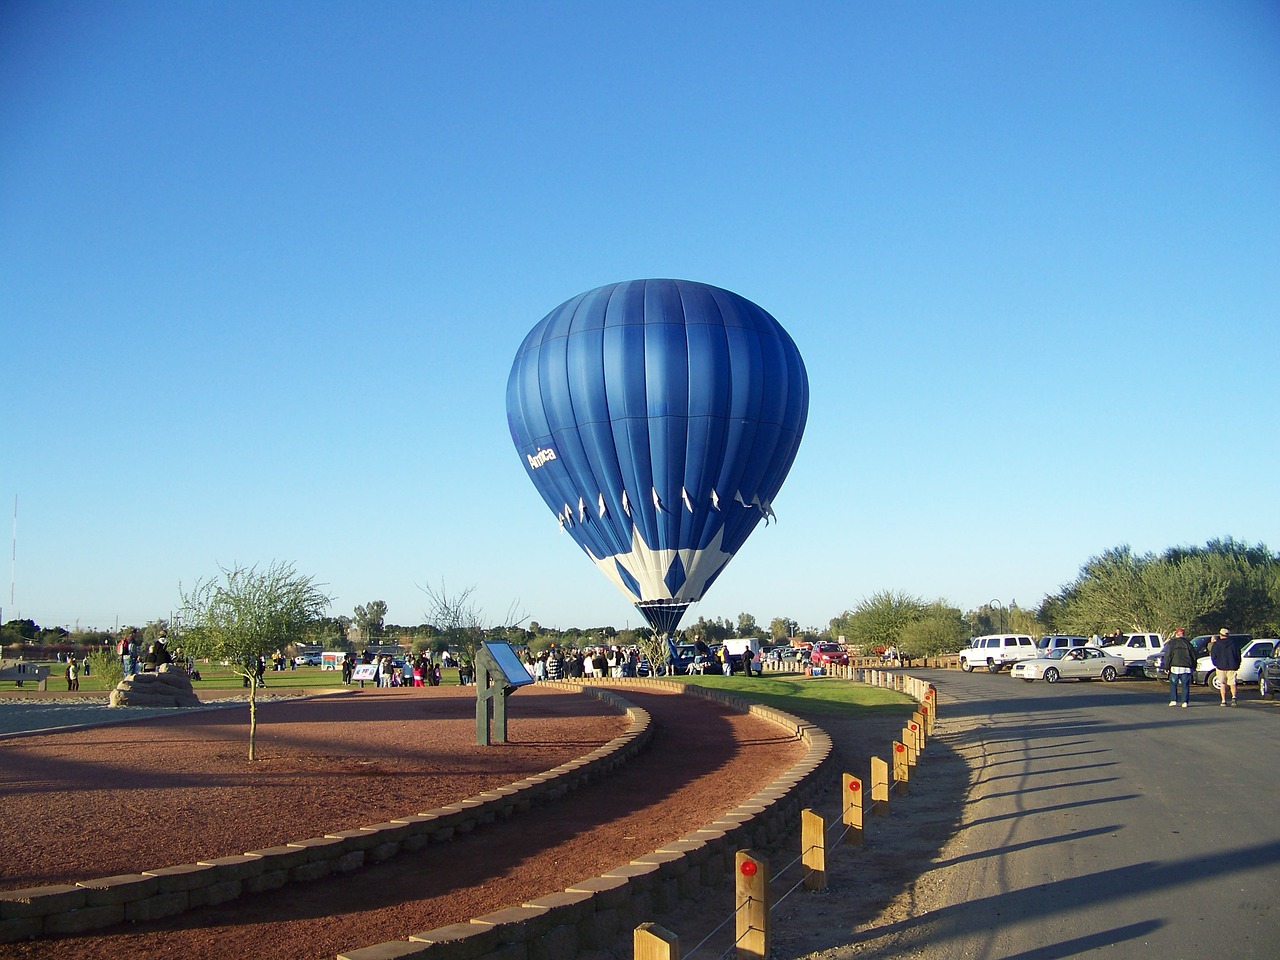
column 1102, row 822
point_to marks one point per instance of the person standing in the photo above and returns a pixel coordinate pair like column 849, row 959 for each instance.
column 1226, row 660
column 1179, row 660
column 73, row 676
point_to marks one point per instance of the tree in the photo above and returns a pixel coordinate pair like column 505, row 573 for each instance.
column 462, row 623
column 369, row 618
column 940, row 629
column 780, row 628
column 1247, row 573
column 246, row 614
column 747, row 625
column 328, row 633
column 17, row 631
column 1226, row 582
column 710, row 631
column 53, row 635
column 878, row 621
column 1180, row 593
column 1109, row 594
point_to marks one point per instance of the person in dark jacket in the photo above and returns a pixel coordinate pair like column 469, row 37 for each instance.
column 1226, row 660
column 1179, row 660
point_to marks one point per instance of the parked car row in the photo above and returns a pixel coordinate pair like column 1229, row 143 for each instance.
column 995, row 652
column 1061, row 656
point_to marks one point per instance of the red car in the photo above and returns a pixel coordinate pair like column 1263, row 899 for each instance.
column 824, row 654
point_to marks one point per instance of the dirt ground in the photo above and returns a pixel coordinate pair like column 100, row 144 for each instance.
column 874, row 886
column 869, row 887
column 130, row 797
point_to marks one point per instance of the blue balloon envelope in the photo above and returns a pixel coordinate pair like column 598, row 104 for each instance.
column 658, row 419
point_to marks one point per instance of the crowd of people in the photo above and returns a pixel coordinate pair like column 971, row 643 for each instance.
column 557, row 663
column 137, row 656
column 388, row 671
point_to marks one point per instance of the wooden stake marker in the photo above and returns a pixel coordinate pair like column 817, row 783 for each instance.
column 852, row 813
column 751, row 896
column 813, row 849
column 651, row 942
column 909, row 741
column 901, row 771
column 917, row 726
column 879, row 787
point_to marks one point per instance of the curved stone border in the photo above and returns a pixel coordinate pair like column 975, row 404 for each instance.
column 166, row 891
column 595, row 913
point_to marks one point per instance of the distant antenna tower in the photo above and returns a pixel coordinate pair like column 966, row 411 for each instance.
column 13, row 559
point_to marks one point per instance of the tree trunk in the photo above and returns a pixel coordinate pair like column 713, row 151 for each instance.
column 253, row 715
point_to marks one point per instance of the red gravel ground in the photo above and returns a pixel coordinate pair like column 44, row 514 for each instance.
column 126, row 798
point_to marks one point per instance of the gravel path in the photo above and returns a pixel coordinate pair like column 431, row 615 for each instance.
column 703, row 759
column 23, row 716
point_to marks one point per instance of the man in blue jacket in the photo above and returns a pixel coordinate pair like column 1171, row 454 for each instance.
column 1226, row 660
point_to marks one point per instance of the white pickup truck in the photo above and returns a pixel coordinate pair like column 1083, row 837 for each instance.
column 1134, row 648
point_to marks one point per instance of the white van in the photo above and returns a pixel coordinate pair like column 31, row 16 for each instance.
column 1059, row 641
column 996, row 651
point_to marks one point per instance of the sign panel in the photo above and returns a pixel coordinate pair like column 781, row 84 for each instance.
column 508, row 661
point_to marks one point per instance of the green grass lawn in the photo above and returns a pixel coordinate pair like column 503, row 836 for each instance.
column 216, row 677
column 798, row 694
column 790, row 692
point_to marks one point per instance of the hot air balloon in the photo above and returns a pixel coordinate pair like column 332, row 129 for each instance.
column 658, row 419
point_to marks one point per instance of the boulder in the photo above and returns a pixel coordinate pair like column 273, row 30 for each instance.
column 170, row 687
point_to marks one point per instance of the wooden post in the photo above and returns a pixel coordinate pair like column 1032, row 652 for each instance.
column 900, row 770
column 651, row 942
column 909, row 741
column 751, row 898
column 879, row 787
column 813, row 849
column 917, row 727
column 852, row 813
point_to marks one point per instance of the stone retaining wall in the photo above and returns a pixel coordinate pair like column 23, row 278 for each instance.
column 600, row 911
column 152, row 894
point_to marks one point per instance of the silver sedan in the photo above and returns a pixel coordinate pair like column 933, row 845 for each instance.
column 1074, row 663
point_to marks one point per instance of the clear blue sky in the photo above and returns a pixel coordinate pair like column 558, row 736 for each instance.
column 264, row 268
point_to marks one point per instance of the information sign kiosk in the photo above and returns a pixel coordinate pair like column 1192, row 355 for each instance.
column 498, row 673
